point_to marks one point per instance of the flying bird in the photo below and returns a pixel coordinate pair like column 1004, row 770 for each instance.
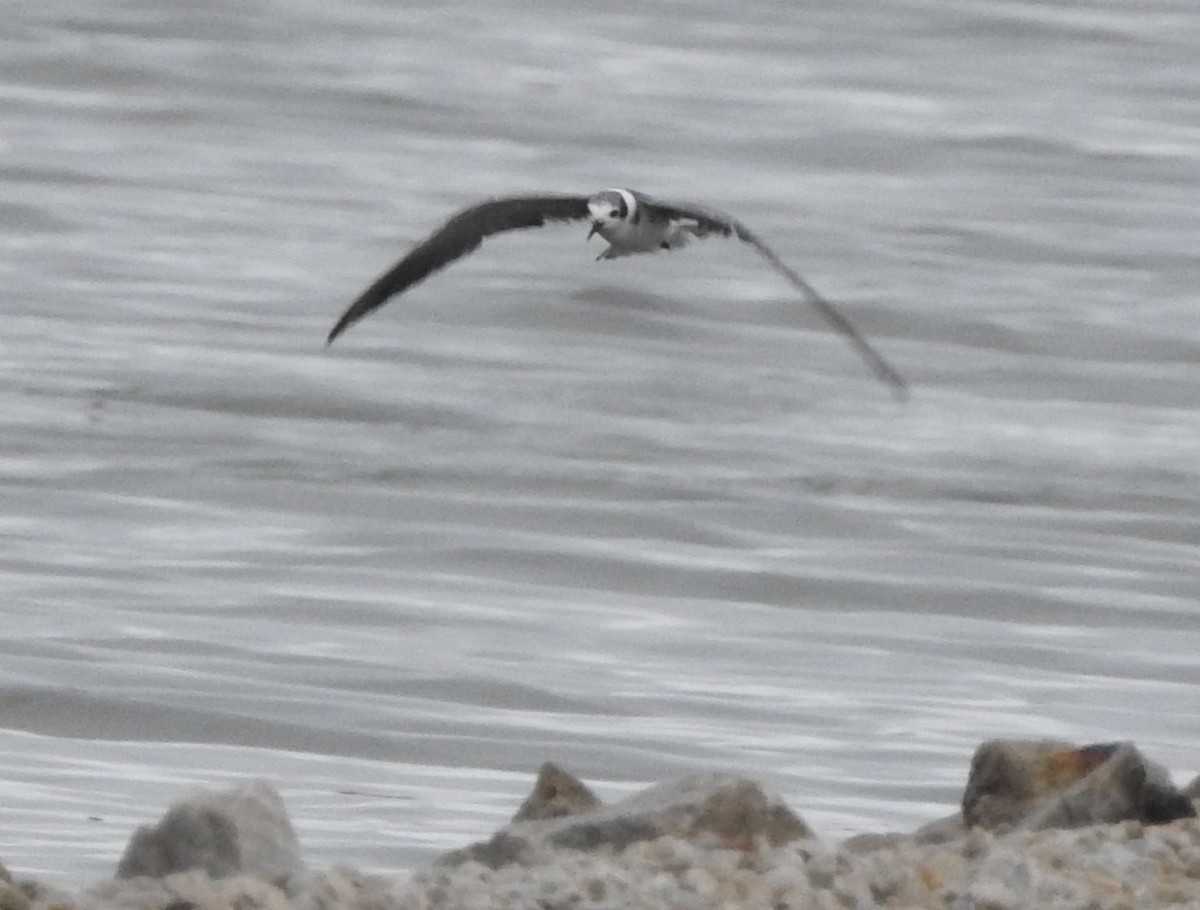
column 630, row 221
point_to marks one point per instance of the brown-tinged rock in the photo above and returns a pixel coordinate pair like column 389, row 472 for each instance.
column 740, row 812
column 1009, row 778
column 1049, row 784
column 1126, row 787
column 556, row 794
column 12, row 897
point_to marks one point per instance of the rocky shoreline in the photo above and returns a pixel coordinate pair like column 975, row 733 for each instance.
column 1042, row 824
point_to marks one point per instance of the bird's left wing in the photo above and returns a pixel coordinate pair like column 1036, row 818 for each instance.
column 455, row 239
column 710, row 221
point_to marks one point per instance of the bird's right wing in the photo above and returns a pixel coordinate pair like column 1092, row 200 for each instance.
column 711, row 221
column 455, row 239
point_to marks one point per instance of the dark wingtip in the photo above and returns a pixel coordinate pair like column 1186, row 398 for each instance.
column 333, row 334
column 371, row 299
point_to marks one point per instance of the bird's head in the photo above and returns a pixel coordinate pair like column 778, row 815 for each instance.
column 610, row 207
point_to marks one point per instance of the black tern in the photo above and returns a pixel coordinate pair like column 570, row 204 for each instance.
column 630, row 221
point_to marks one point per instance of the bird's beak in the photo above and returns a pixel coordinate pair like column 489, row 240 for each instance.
column 595, row 228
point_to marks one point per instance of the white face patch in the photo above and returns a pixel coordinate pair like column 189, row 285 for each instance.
column 601, row 209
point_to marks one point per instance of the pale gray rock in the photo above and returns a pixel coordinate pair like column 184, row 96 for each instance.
column 871, row 841
column 187, row 837
column 29, row 894
column 722, row 808
column 193, row 890
column 242, row 830
column 942, row 831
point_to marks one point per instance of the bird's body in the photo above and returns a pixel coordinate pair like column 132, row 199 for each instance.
column 638, row 227
column 630, row 221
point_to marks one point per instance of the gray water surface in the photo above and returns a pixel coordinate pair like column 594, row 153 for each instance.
column 640, row 517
